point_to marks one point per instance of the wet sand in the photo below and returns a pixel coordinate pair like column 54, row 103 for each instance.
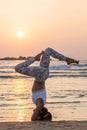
column 54, row 125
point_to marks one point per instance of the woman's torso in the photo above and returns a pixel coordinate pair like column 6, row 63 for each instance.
column 38, row 85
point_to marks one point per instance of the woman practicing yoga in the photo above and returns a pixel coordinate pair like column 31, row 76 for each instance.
column 41, row 73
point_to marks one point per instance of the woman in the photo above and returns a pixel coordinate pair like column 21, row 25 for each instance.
column 40, row 73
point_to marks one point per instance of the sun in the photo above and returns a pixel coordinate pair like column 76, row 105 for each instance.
column 20, row 33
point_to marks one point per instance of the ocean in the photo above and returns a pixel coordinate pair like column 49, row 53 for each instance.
column 66, row 92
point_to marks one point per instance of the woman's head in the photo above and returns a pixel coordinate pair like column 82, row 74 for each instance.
column 39, row 103
column 43, row 114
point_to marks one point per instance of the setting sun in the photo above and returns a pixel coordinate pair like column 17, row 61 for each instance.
column 20, row 33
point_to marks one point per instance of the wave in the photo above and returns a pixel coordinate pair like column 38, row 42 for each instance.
column 60, row 67
column 81, row 65
column 50, row 76
column 63, row 102
column 74, row 76
column 7, row 71
column 6, row 67
column 56, row 66
column 14, row 77
column 63, row 70
column 69, row 67
column 58, row 96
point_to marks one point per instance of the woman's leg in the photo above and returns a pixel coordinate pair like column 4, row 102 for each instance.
column 39, row 73
column 45, row 61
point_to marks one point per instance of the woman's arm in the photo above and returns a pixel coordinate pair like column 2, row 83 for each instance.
column 23, row 67
column 35, row 115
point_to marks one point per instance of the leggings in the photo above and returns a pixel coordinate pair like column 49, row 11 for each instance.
column 40, row 73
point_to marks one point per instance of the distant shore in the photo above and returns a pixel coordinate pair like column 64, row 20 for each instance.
column 14, row 58
column 56, row 125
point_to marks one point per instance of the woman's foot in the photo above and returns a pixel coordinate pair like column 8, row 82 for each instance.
column 70, row 61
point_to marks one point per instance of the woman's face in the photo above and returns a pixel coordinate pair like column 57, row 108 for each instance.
column 40, row 103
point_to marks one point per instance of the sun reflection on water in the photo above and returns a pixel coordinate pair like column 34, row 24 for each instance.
column 22, row 100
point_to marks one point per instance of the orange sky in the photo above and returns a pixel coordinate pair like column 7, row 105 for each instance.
column 60, row 24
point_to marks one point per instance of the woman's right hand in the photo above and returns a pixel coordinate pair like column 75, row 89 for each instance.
column 37, row 57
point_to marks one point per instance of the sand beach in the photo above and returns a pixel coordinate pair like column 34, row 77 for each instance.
column 54, row 125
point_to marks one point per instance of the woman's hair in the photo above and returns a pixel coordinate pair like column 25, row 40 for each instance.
column 45, row 115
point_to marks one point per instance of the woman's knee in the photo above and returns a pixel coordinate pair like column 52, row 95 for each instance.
column 48, row 50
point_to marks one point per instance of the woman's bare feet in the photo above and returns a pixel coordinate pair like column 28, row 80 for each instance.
column 70, row 61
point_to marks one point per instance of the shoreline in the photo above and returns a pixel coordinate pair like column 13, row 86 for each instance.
column 53, row 125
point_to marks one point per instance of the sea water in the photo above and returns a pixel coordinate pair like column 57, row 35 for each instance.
column 66, row 92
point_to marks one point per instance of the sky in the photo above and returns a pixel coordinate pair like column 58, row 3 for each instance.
column 59, row 24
